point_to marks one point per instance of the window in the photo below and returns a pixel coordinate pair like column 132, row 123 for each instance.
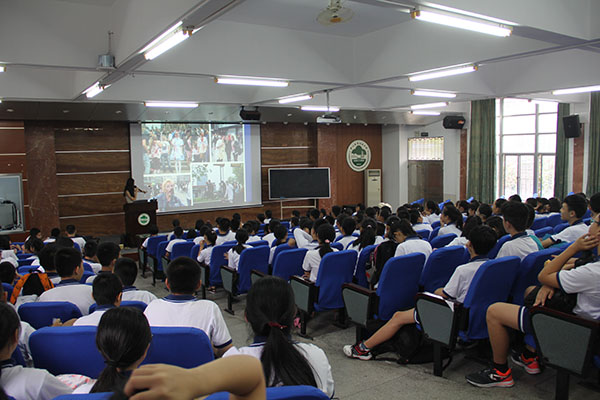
column 526, row 147
column 426, row 148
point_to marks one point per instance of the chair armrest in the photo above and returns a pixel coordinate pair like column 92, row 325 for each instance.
column 229, row 277
column 305, row 293
column 256, row 275
column 204, row 274
column 360, row 303
column 441, row 319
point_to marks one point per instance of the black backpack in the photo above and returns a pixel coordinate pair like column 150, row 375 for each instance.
column 382, row 253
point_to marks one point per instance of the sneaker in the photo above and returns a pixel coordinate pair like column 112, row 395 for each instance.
column 531, row 365
column 491, row 377
column 357, row 352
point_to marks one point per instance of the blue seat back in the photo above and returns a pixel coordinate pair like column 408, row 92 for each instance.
column 281, row 248
column 87, row 267
column 528, row 272
column 153, row 242
column 338, row 238
column 140, row 305
column 8, row 289
column 436, row 224
column 282, row 393
column 40, row 313
column 547, row 230
column 494, row 252
column 539, row 223
column 398, row 284
column 560, row 227
column 553, row 220
column 337, row 245
column 258, row 243
column 161, row 250
column 182, row 346
column 587, row 214
column 25, row 261
column 18, row 358
column 252, row 258
column 440, row 266
column 286, row 224
column 440, row 241
column 217, row 259
column 87, row 396
column 424, row 233
column 181, row 249
column 336, row 268
column 434, row 232
column 288, row 263
column 360, row 273
column 25, row 269
column 492, row 283
column 194, row 252
column 85, row 276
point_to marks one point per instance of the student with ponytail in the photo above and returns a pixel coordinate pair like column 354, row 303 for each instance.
column 451, row 221
column 367, row 235
column 325, row 235
column 16, row 381
column 233, row 255
column 408, row 240
column 270, row 311
column 281, row 236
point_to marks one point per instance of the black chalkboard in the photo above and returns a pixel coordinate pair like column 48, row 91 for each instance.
column 299, row 183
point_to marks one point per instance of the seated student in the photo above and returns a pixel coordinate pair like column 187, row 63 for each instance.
column 16, row 381
column 270, row 311
column 543, row 207
column 181, row 308
column 554, row 206
column 416, row 219
column 54, row 234
column 528, row 230
column 223, row 233
column 121, row 356
column 234, row 225
column 497, row 224
column 90, row 251
column 557, row 273
column 72, row 233
column 302, row 236
column 281, row 235
column 573, row 208
column 233, row 255
column 594, row 205
column 126, row 269
column 153, row 232
column 348, row 227
column 8, row 273
column 8, row 254
column 325, row 235
column 270, row 229
column 432, row 212
column 470, row 224
column 366, row 237
column 35, row 233
column 481, row 242
column 515, row 221
column 176, row 238
column 201, row 232
column 70, row 268
column 484, row 212
column 314, row 214
column 261, row 218
column 473, row 206
column 175, row 224
column 32, row 246
column 497, row 206
column 408, row 240
column 515, row 197
column 252, row 228
column 108, row 253
column 25, row 332
column 268, row 216
column 191, row 234
column 205, row 252
column 46, row 261
column 451, row 221
column 463, row 207
column 107, row 291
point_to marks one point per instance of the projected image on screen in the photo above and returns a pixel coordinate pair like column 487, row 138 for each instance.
column 197, row 166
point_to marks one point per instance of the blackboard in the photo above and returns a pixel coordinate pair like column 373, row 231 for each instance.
column 299, row 183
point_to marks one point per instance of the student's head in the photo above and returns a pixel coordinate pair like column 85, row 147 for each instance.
column 269, row 214
column 497, row 224
column 178, row 232
column 35, row 232
column 241, row 236
column 340, row 219
column 306, row 224
column 595, row 204
column 191, row 234
column 371, row 212
column 71, row 230
column 336, row 210
column 175, row 223
column 473, row 208
column 388, row 224
column 530, row 215
column 415, row 216
column 368, row 229
column 7, row 272
column 33, row 245
column 46, row 257
column 123, row 337
column 470, row 224
column 224, row 224
column 10, row 326
column 210, row 236
column 183, row 276
column 68, row 263
column 482, row 240
column 432, row 207
column 451, row 215
column 261, row 218
column 270, row 311
column 296, row 213
column 348, row 226
column 280, row 234
column 294, row 222
column 484, row 212
column 515, row 197
column 126, row 270
column 402, row 213
column 573, row 207
column 107, row 289
column 325, row 236
column 64, row 241
column 236, row 216
column 516, row 216
column 497, row 206
column 315, row 214
column 274, row 223
column 401, row 230
column 90, row 249
column 532, row 201
column 555, row 204
column 463, row 206
column 4, row 242
column 108, row 252
column 198, row 224
column 384, row 213
column 234, row 225
column 55, row 232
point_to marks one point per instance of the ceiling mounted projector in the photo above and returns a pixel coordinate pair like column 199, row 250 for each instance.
column 249, row 115
column 328, row 119
column 335, row 13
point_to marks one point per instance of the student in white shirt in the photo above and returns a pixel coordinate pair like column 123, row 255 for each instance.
column 233, row 255
column 515, row 221
column 126, row 269
column 153, row 232
column 408, row 240
column 25, row 333
column 181, row 308
column 325, row 234
column 107, row 291
column 348, row 227
column 72, row 233
column 270, row 237
column 303, row 237
column 46, row 262
column 251, row 227
column 108, row 253
column 268, row 216
column 281, row 234
column 483, row 240
column 176, row 238
column 572, row 210
column 54, row 234
column 416, row 219
column 70, row 268
column 270, row 311
column 175, row 224
column 366, row 237
column 432, row 212
column 90, row 257
column 224, row 234
column 484, row 211
column 16, row 381
column 470, row 224
column 451, row 221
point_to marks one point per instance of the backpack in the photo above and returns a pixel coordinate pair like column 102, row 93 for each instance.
column 31, row 283
column 382, row 253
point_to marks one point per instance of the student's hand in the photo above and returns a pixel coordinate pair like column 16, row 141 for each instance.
column 292, row 242
column 202, row 245
column 226, row 256
column 160, row 381
column 545, row 292
column 585, row 242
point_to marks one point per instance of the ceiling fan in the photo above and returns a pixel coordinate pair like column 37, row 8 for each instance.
column 335, row 13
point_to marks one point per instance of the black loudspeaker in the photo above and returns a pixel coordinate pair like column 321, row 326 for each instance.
column 571, row 125
column 454, row 122
column 248, row 115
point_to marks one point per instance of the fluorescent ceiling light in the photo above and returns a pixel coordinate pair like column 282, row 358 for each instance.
column 429, row 93
column 174, row 104
column 462, row 23
column 163, row 36
column 168, row 43
column 251, row 82
column 428, row 105
column 295, row 99
column 95, row 89
column 320, row 108
column 2, row 68
column 583, row 89
column 425, row 112
column 442, row 73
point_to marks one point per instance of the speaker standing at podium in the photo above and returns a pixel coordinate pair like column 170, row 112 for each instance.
column 130, row 191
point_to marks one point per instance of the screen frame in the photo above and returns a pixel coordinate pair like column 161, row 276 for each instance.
column 298, row 198
column 20, row 207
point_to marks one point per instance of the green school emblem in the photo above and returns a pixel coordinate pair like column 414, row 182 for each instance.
column 143, row 219
column 358, row 155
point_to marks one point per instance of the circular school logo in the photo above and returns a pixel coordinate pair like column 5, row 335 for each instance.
column 358, row 155
column 143, row 219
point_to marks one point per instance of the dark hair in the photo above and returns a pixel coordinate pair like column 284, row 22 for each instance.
column 330, row 220
column 55, row 232
column 175, row 223
column 242, row 237
column 516, row 214
column 554, row 204
column 33, row 232
column 497, row 224
column 500, row 202
column 531, row 201
column 198, row 224
column 106, row 289
column 483, row 239
column 91, row 248
column 385, row 213
column 315, row 213
column 9, row 323
column 129, row 187
column 306, row 223
column 454, row 215
column 63, row 241
column 380, row 230
column 348, row 226
column 70, row 229
column 122, row 338
column 236, row 217
column 270, row 311
column 269, row 214
column 126, row 270
column 370, row 212
column 4, row 242
column 404, row 227
column 325, row 232
column 66, row 260
column 471, row 223
column 273, row 223
column 178, row 232
column 515, row 197
column 234, row 225
column 46, row 256
column 224, row 224
column 191, row 234
column 34, row 244
column 530, row 215
column 595, row 203
column 280, row 233
column 336, row 210
column 485, row 210
column 260, row 217
column 367, row 234
column 463, row 204
column 183, row 274
column 107, row 252
column 433, row 207
column 577, row 204
column 211, row 236
column 294, row 222
column 7, row 272
column 414, row 216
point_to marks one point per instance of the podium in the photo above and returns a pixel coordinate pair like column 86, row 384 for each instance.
column 139, row 216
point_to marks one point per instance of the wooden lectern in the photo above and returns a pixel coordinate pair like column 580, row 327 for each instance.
column 139, row 216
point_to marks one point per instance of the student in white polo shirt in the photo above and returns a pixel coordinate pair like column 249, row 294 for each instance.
column 108, row 253
column 223, row 232
column 70, row 268
column 416, row 219
column 234, row 254
column 347, row 229
column 46, row 260
column 182, row 308
column 303, row 237
column 176, row 238
column 408, row 240
column 515, row 222
column 72, row 233
column 54, row 234
column 126, row 269
column 107, row 291
column 270, row 237
column 175, row 224
column 90, row 255
column 325, row 234
column 572, row 210
column 451, row 221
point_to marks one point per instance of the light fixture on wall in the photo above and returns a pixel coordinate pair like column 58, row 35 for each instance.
column 432, row 93
column 94, row 90
column 434, row 113
column 320, row 108
column 583, row 89
column 440, row 73
column 295, row 98
column 428, row 105
column 246, row 81
column 171, row 104
column 462, row 22
column 2, row 68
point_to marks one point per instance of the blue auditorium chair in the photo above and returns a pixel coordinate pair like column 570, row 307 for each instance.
column 547, row 230
column 86, row 275
column 440, row 266
column 560, row 227
column 527, row 273
column 337, row 245
column 494, row 252
column 424, row 234
column 140, row 305
column 211, row 275
column 40, row 313
column 181, row 249
column 440, row 241
column 288, row 263
column 434, row 232
column 360, row 273
column 281, row 248
column 153, row 241
column 281, row 393
column 554, row 220
column 539, row 223
column 259, row 243
column 194, row 252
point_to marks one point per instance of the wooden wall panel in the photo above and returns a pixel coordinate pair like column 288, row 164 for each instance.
column 13, row 163
column 97, row 226
column 290, row 135
column 12, row 140
column 277, row 157
column 86, row 205
column 92, row 162
column 91, row 183
column 578, row 150
column 463, row 163
column 76, row 136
